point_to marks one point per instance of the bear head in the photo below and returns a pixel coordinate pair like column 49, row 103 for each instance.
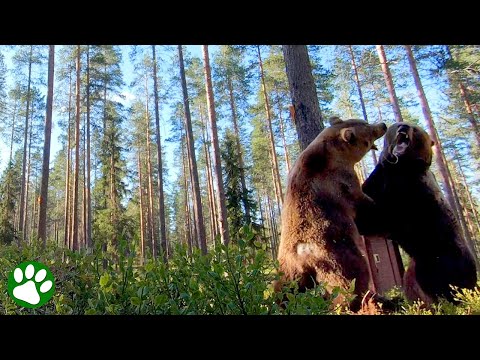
column 351, row 139
column 407, row 144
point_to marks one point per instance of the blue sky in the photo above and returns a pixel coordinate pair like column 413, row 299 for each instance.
column 431, row 89
column 127, row 69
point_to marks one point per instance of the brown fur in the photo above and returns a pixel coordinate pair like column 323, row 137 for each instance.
column 319, row 239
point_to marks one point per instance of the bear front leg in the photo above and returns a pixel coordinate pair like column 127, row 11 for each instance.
column 370, row 219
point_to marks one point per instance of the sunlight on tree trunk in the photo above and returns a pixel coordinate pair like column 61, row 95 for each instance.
column 389, row 82
column 42, row 219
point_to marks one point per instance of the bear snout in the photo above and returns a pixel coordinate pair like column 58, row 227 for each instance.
column 380, row 129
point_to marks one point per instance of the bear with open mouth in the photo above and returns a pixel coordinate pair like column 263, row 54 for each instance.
column 412, row 211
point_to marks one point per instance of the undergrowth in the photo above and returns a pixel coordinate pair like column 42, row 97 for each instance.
column 231, row 280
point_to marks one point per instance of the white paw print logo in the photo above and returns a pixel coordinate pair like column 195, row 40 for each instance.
column 31, row 284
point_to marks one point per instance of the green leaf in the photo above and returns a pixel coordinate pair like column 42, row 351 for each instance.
column 149, row 267
column 135, row 301
column 160, row 299
column 104, row 279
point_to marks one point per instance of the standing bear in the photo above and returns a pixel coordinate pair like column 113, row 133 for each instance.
column 319, row 241
column 411, row 210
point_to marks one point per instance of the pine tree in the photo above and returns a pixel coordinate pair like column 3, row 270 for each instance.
column 197, row 208
column 42, row 220
column 308, row 118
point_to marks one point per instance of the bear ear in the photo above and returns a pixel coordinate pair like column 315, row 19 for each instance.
column 347, row 134
column 335, row 120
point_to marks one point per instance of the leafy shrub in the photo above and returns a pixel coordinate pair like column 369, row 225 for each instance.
column 231, row 280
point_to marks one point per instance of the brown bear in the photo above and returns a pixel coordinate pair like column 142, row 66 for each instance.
column 411, row 210
column 319, row 241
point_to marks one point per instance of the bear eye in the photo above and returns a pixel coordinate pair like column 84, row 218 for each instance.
column 365, row 143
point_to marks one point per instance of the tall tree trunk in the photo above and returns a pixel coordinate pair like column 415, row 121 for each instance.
column 42, row 219
column 25, row 143
column 113, row 197
column 104, row 140
column 276, row 178
column 149, row 227
column 188, row 234
column 470, row 116
column 161, row 196
column 67, row 170
column 7, row 201
column 458, row 206
column 208, row 169
column 13, row 133
column 197, row 201
column 33, row 218
column 469, row 195
column 89, row 197
column 142, row 222
column 306, row 109
column 245, row 201
column 153, row 227
column 222, row 205
column 284, row 141
column 84, row 190
column 77, row 156
column 262, row 215
column 389, row 82
column 360, row 95
column 27, row 186
column 463, row 216
column 442, row 167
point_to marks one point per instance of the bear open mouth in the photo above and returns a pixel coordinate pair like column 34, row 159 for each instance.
column 403, row 141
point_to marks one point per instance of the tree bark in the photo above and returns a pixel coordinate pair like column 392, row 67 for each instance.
column 153, row 229
column 142, row 222
column 389, row 82
column 42, row 219
column 198, row 212
column 67, row 171
column 470, row 116
column 306, row 109
column 438, row 150
column 27, row 185
column 13, row 133
column 24, row 160
column 188, row 233
column 222, row 218
column 89, row 197
column 469, row 195
column 284, row 141
column 77, row 156
column 276, row 173
column 208, row 168
column 161, row 196
column 7, row 201
column 360, row 95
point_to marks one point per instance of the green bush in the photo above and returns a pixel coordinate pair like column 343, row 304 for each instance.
column 231, row 280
